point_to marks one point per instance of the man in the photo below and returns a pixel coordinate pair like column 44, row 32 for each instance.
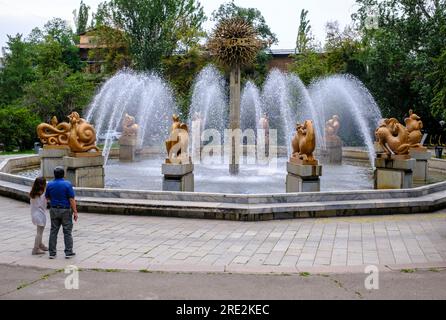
column 63, row 208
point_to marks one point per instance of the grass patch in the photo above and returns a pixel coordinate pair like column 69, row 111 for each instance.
column 23, row 285
column 145, row 271
column 304, row 274
column 12, row 153
column 407, row 270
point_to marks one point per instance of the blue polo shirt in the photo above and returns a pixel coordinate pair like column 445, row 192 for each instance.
column 59, row 192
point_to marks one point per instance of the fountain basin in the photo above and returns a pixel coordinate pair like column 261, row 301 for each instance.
column 244, row 207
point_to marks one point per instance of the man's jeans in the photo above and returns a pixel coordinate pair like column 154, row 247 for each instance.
column 60, row 217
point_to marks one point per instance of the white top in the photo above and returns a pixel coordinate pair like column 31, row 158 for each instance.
column 38, row 210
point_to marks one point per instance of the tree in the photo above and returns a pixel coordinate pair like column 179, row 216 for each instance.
column 401, row 52
column 17, row 69
column 439, row 78
column 250, row 15
column 17, row 127
column 59, row 93
column 304, row 41
column 81, row 18
column 59, row 31
column 156, row 28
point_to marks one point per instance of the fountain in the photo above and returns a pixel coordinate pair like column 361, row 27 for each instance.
column 346, row 96
column 146, row 96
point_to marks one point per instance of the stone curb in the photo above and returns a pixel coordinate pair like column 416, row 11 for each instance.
column 61, row 263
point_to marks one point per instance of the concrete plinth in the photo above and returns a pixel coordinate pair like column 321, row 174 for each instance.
column 421, row 170
column 394, row 173
column 50, row 158
column 334, row 151
column 85, row 172
column 303, row 178
column 127, row 148
column 178, row 177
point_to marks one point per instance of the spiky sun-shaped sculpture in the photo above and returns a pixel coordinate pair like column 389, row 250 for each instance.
column 234, row 42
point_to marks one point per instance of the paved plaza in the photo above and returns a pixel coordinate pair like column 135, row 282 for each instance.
column 284, row 246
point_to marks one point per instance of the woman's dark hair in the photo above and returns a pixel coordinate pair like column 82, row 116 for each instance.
column 38, row 187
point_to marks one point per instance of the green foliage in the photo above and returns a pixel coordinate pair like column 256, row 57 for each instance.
column 17, row 70
column 157, row 28
column 59, row 92
column 310, row 65
column 17, row 127
column 439, row 79
column 251, row 15
column 401, row 54
column 81, row 18
column 304, row 38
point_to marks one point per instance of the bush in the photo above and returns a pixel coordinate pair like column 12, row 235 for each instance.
column 18, row 127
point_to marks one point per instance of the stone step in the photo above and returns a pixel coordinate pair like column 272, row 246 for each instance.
column 244, row 211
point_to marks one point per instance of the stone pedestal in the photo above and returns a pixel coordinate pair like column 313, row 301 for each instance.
column 421, row 170
column 178, row 177
column 85, row 170
column 303, row 177
column 127, row 148
column 394, row 173
column 50, row 158
column 334, row 151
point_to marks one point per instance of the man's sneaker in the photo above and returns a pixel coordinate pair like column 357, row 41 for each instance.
column 69, row 255
column 52, row 256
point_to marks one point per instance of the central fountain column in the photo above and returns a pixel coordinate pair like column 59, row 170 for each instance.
column 234, row 116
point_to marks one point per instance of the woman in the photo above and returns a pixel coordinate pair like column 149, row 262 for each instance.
column 38, row 213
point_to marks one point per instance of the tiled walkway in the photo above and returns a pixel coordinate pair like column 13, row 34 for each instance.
column 154, row 243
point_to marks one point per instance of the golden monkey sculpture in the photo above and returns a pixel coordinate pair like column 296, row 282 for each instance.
column 393, row 137
column 304, row 143
column 178, row 143
column 78, row 135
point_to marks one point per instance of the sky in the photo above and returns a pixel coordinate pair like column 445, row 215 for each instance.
column 21, row 16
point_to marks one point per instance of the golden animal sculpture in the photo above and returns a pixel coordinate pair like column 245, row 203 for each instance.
column 54, row 133
column 304, row 143
column 331, row 129
column 393, row 137
column 82, row 136
column 414, row 126
column 129, row 126
column 178, row 143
